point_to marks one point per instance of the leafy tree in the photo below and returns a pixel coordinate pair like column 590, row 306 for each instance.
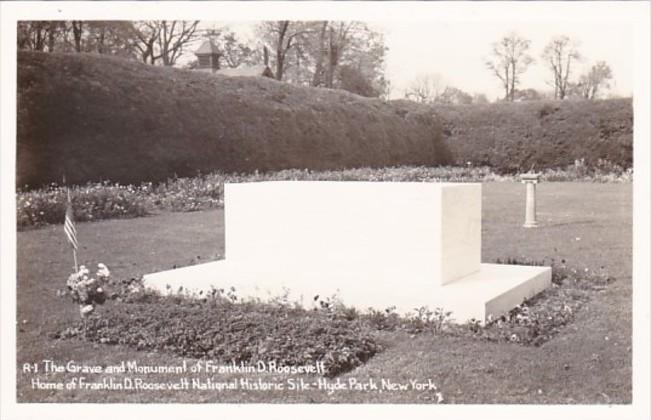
column 103, row 37
column 353, row 80
column 479, row 98
column 525, row 95
column 559, row 55
column 367, row 55
column 454, row 96
column 510, row 60
column 110, row 37
column 282, row 38
column 40, row 35
column 234, row 52
column 334, row 43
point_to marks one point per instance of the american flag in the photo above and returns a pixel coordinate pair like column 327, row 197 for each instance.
column 69, row 225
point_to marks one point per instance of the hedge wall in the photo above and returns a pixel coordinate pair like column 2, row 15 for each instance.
column 97, row 117
column 512, row 137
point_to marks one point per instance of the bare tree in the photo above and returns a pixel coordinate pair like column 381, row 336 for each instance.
column 163, row 40
column 173, row 36
column 146, row 33
column 559, row 54
column 595, row 80
column 510, row 60
column 425, row 88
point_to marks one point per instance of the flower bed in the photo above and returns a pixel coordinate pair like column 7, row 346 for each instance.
column 217, row 328
column 107, row 201
column 222, row 328
column 532, row 323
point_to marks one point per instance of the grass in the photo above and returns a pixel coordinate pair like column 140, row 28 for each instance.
column 589, row 361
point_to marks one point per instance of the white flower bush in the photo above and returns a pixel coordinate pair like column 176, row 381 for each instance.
column 88, row 291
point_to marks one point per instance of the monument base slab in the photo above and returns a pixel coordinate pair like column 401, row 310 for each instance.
column 491, row 291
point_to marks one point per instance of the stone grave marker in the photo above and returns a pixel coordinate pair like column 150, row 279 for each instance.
column 371, row 244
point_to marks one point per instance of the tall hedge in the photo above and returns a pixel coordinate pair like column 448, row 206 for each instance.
column 512, row 137
column 96, row 118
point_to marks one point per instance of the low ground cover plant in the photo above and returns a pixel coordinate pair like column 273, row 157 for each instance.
column 221, row 327
column 532, row 323
column 107, row 201
column 539, row 319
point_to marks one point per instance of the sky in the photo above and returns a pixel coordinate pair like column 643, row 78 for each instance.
column 456, row 50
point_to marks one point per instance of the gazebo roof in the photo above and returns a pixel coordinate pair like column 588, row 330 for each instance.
column 207, row 48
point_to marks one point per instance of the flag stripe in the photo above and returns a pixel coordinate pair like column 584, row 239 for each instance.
column 72, row 240
column 69, row 227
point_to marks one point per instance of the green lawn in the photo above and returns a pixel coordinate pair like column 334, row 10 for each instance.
column 588, row 225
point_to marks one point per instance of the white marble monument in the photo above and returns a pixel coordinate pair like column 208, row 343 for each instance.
column 372, row 244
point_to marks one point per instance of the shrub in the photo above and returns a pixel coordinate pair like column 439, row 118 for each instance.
column 90, row 202
column 87, row 291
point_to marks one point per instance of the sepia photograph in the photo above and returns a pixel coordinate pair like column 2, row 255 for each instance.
column 318, row 208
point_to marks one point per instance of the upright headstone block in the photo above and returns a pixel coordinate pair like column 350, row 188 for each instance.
column 404, row 245
column 428, row 231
